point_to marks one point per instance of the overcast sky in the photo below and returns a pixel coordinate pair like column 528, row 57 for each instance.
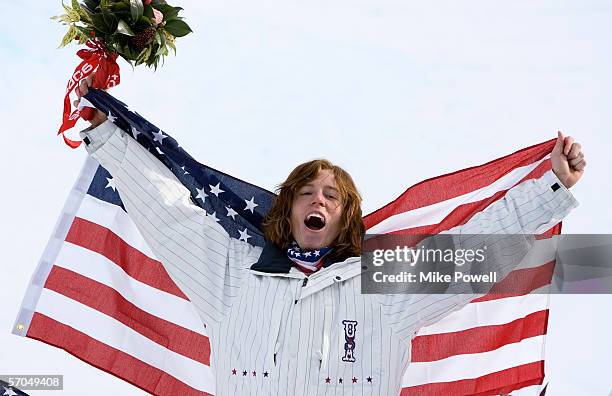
column 394, row 91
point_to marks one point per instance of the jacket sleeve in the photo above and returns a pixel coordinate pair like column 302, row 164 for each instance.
column 198, row 254
column 507, row 227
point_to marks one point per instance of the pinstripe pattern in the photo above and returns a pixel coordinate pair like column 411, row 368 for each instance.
column 269, row 333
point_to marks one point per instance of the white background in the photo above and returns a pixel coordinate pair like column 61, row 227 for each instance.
column 394, row 91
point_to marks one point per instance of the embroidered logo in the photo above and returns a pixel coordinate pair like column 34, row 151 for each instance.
column 350, row 328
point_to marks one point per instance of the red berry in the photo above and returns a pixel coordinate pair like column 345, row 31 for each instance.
column 77, row 37
column 92, row 33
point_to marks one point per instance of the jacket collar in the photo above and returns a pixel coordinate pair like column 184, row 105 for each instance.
column 275, row 261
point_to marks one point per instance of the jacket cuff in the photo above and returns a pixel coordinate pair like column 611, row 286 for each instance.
column 558, row 198
column 94, row 138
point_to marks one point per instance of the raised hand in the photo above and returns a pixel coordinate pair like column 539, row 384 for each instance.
column 567, row 160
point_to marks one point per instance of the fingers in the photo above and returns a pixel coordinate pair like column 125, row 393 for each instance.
column 559, row 143
column 575, row 161
column 84, row 85
column 567, row 144
column 574, row 151
column 581, row 165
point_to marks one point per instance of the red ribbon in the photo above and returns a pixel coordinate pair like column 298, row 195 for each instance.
column 95, row 59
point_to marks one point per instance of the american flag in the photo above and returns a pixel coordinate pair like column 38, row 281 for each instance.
column 100, row 294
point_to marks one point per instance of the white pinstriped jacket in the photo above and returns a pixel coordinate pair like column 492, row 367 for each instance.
column 272, row 330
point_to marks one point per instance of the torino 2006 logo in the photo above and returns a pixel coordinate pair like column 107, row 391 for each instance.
column 350, row 328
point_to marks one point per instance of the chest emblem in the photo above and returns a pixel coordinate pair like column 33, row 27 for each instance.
column 350, row 329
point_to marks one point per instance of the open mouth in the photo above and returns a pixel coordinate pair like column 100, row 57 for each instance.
column 314, row 221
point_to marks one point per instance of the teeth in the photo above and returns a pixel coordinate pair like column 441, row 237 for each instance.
column 317, row 215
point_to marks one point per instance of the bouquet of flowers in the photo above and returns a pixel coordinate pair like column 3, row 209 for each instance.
column 139, row 31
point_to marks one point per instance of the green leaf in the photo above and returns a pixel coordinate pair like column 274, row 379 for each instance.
column 69, row 36
column 72, row 14
column 111, row 21
column 137, row 9
column 178, row 28
column 169, row 12
column 171, row 45
column 75, row 5
column 100, row 23
column 124, row 28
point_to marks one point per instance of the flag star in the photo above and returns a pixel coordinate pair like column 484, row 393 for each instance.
column 231, row 212
column 9, row 391
column 135, row 132
column 244, row 235
column 159, row 136
column 216, row 190
column 250, row 205
column 307, row 254
column 201, row 194
column 111, row 183
column 317, row 253
column 183, row 168
column 111, row 117
column 214, row 216
column 159, row 150
column 297, row 254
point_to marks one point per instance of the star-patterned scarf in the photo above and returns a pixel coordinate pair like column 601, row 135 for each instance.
column 307, row 261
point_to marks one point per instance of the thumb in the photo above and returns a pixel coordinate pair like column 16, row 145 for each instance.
column 558, row 149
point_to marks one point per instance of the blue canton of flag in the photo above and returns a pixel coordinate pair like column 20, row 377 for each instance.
column 235, row 204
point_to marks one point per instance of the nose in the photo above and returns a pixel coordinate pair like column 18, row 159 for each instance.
column 318, row 198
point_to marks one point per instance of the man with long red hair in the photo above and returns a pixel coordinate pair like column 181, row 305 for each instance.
column 290, row 318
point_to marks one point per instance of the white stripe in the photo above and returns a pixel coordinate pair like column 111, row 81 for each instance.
column 113, row 333
column 151, row 300
column 460, row 367
column 435, row 213
column 488, row 313
column 115, row 219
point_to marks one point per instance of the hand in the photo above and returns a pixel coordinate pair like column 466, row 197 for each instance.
column 98, row 117
column 567, row 160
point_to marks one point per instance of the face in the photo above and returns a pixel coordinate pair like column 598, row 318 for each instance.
column 316, row 212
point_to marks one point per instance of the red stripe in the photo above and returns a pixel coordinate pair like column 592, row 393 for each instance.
column 107, row 358
column 136, row 264
column 463, row 213
column 442, row 188
column 108, row 301
column 520, row 282
column 429, row 348
column 491, row 384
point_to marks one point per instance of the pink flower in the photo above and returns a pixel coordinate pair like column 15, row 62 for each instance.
column 147, row 2
column 158, row 17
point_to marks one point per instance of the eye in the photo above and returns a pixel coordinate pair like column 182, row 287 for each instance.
column 330, row 196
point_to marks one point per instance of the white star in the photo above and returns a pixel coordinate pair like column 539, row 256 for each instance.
column 244, row 236
column 214, row 216
column 201, row 194
column 111, row 183
column 297, row 254
column 135, row 132
column 9, row 391
column 250, row 204
column 307, row 254
column 231, row 212
column 159, row 150
column 215, row 189
column 159, row 136
column 111, row 117
column 183, row 168
column 317, row 253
